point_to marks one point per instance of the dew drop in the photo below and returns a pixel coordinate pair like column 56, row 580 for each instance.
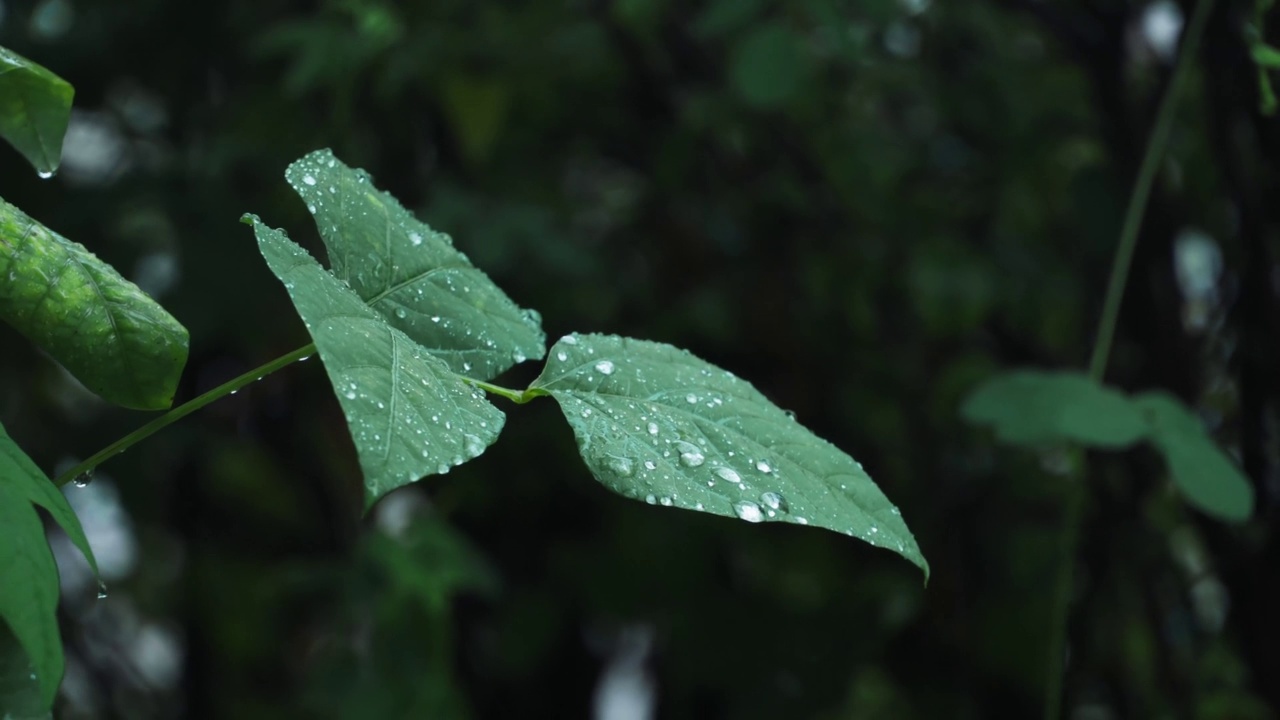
column 84, row 478
column 562, row 356
column 401, row 313
column 728, row 474
column 665, row 501
column 102, row 590
column 622, row 466
column 350, row 394
column 691, row 398
column 569, row 340
column 692, row 458
column 309, row 179
column 415, row 238
column 473, row 445
column 763, row 466
column 45, row 174
column 442, row 468
column 648, row 465
column 802, row 521
column 651, row 499
column 435, row 318
column 653, row 428
column 586, row 412
column 774, row 501
column 748, row 511
column 604, row 367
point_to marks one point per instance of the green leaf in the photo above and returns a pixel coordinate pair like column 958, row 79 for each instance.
column 769, row 66
column 1203, row 473
column 1032, row 407
column 28, row 575
column 20, row 696
column 412, row 275
column 103, row 329
column 1265, row 55
column 409, row 414
column 34, row 107
column 657, row 423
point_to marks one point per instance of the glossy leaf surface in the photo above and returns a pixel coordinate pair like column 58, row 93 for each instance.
column 106, row 331
column 35, row 105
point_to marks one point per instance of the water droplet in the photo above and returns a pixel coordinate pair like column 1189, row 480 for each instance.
column 309, row 179
column 691, row 398
column 763, row 466
column 653, row 428
column 802, row 521
column 774, row 501
column 562, row 356
column 748, row 511
column 728, row 474
column 350, row 394
column 622, row 466
column 415, row 238
column 874, row 529
column 651, row 499
column 666, row 501
column 304, row 358
column 401, row 313
column 311, row 209
column 895, row 511
column 692, row 458
column 442, row 468
column 45, row 174
column 586, row 412
column 435, row 318
column 473, row 445
column 102, row 590
column 84, row 478
column 648, row 465
column 604, row 367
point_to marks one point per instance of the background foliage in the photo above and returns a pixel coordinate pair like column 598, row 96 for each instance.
column 864, row 207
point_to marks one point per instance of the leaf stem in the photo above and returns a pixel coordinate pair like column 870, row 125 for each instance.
column 182, row 411
column 1076, row 491
column 515, row 396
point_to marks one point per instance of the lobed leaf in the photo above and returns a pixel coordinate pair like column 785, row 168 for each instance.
column 412, row 275
column 104, row 330
column 1207, row 478
column 654, row 422
column 35, row 105
column 1033, row 407
column 409, row 414
column 28, row 575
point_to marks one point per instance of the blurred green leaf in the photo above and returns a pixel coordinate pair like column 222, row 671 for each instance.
column 768, row 66
column 408, row 413
column 477, row 109
column 1208, row 479
column 412, row 275
column 35, row 105
column 28, row 575
column 103, row 329
column 20, row 691
column 725, row 16
column 1265, row 55
column 1032, row 407
column 654, row 422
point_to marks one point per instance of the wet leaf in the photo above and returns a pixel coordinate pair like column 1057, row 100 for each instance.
column 103, row 329
column 409, row 414
column 1033, row 407
column 35, row 105
column 412, row 275
column 656, row 423
column 28, row 575
column 1207, row 478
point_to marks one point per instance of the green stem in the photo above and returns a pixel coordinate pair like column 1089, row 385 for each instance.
column 515, row 396
column 1076, row 495
column 180, row 412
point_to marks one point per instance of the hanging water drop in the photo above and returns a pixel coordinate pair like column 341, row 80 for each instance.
column 84, row 478
column 748, row 511
column 45, row 174
column 102, row 590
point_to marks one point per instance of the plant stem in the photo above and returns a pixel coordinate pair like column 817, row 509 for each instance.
column 515, row 396
column 182, row 411
column 1120, row 266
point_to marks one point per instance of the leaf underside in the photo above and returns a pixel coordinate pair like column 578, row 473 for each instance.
column 102, row 328
column 35, row 106
column 654, row 422
column 29, row 577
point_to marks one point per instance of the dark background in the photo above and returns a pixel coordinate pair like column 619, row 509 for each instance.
column 864, row 207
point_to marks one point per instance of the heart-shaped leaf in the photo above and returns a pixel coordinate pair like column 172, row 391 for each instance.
column 103, row 329
column 1207, row 478
column 28, row 575
column 409, row 414
column 35, row 105
column 653, row 422
column 1033, row 407
column 411, row 274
